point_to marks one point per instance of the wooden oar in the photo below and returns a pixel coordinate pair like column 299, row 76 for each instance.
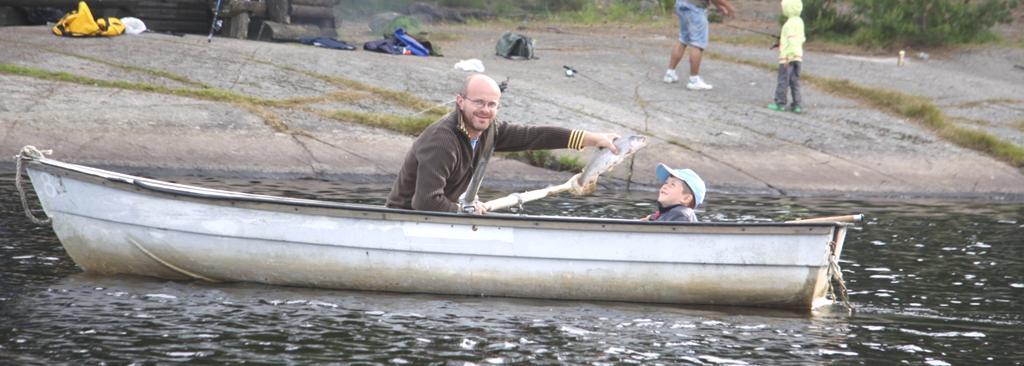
column 517, row 199
column 845, row 218
column 582, row 183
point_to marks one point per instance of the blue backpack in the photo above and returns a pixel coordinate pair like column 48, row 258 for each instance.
column 410, row 44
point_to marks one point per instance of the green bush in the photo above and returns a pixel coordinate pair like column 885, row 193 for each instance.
column 889, row 23
column 383, row 26
column 554, row 5
column 410, row 24
column 356, row 8
column 875, row 23
column 821, row 19
column 542, row 6
column 506, row 9
column 570, row 164
column 617, row 11
column 545, row 159
column 667, row 5
column 476, row 4
column 362, row 7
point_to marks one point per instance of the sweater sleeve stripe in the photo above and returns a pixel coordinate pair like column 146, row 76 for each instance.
column 576, row 139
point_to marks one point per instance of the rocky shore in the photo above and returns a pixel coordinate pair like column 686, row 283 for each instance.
column 839, row 147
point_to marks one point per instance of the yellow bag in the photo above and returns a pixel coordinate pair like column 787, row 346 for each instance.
column 77, row 23
column 110, row 27
column 80, row 23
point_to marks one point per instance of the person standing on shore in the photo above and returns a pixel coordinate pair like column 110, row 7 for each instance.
column 439, row 167
column 693, row 32
column 791, row 52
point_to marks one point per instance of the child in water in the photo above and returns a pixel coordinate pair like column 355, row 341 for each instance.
column 681, row 192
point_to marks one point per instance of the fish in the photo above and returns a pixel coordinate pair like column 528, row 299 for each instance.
column 604, row 160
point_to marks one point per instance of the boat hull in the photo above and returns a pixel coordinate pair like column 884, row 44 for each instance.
column 118, row 224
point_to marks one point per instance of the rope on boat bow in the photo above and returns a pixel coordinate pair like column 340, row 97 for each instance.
column 836, row 274
column 28, row 153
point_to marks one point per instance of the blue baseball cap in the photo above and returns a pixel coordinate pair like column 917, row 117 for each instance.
column 687, row 176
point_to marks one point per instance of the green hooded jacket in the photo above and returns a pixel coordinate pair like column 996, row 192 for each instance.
column 791, row 41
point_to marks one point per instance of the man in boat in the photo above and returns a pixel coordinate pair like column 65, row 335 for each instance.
column 444, row 158
column 681, row 191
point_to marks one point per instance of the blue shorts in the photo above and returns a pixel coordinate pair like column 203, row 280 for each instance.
column 693, row 24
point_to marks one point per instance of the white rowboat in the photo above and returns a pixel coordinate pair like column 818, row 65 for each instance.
column 113, row 223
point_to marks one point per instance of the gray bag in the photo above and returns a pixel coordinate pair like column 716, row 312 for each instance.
column 515, row 46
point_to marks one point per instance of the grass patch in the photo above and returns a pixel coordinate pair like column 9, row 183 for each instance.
column 758, row 64
column 819, row 45
column 153, row 72
column 257, row 106
column 984, row 102
column 753, row 40
column 1010, row 43
column 344, row 96
column 400, row 98
column 1019, row 125
column 270, row 118
column 410, row 24
column 918, row 108
column 410, row 125
column 570, row 163
column 923, row 110
column 218, row 95
column 613, row 12
column 157, row 73
column 211, row 94
column 442, row 36
column 971, row 121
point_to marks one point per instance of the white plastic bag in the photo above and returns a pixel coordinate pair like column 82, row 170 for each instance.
column 470, row 65
column 133, row 25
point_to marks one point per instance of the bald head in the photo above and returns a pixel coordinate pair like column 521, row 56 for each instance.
column 478, row 103
column 480, row 84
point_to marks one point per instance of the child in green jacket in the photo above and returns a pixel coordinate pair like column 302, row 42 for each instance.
column 791, row 51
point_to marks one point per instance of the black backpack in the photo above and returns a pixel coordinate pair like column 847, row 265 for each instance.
column 515, row 46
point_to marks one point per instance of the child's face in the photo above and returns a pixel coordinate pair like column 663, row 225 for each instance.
column 674, row 192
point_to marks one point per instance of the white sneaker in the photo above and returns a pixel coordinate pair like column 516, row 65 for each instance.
column 670, row 76
column 696, row 83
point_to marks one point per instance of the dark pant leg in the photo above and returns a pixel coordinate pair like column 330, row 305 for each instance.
column 794, row 82
column 782, row 86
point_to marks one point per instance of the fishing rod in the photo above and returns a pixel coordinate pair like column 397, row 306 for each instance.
column 775, row 36
column 213, row 25
column 572, row 72
column 502, row 86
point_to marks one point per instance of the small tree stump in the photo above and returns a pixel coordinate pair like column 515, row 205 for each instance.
column 320, row 3
column 231, row 8
column 315, row 12
column 238, row 26
column 278, row 11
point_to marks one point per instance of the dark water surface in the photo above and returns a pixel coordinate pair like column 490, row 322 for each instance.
column 933, row 283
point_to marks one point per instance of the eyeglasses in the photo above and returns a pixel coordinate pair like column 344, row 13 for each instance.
column 480, row 103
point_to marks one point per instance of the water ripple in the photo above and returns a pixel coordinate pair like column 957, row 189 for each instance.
column 933, row 283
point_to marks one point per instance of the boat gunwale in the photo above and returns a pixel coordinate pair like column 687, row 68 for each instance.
column 362, row 211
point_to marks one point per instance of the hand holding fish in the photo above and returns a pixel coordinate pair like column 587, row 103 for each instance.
column 604, row 161
column 585, row 182
column 605, row 140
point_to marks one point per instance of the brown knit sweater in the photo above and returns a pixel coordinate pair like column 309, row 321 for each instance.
column 441, row 162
